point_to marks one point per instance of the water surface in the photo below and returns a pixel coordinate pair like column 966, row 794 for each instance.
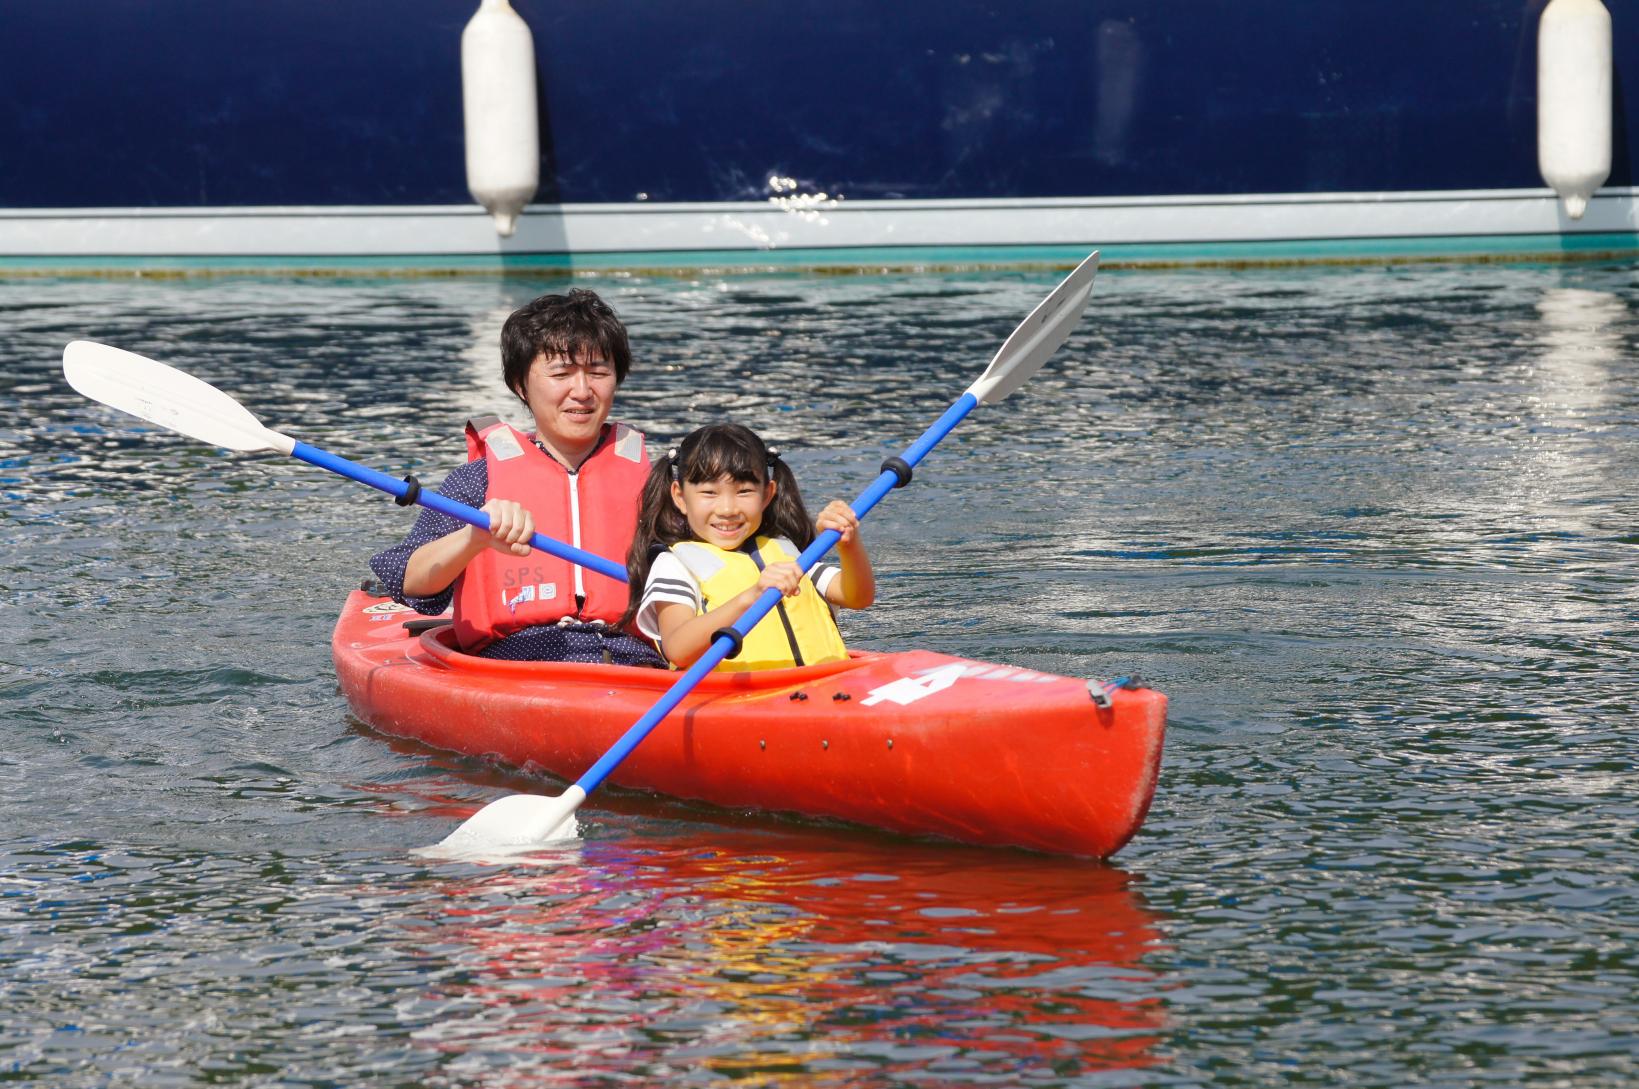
column 1373, row 532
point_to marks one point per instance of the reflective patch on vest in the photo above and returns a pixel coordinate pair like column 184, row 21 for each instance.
column 628, row 443
column 503, row 444
column 702, row 563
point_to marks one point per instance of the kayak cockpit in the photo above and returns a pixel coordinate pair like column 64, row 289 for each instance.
column 437, row 643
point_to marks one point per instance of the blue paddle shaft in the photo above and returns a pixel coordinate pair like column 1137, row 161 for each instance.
column 811, row 555
column 443, row 504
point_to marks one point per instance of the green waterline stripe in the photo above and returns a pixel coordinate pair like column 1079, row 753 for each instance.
column 1358, row 251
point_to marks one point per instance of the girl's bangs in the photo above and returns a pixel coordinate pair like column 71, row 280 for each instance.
column 718, row 456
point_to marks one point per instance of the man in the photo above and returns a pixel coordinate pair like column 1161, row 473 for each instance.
column 578, row 476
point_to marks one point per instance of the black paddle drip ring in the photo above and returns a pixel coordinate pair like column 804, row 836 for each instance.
column 411, row 494
column 900, row 468
column 734, row 637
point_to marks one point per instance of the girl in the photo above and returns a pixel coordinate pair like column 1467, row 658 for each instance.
column 720, row 522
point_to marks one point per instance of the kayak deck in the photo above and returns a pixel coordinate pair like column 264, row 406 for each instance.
column 914, row 742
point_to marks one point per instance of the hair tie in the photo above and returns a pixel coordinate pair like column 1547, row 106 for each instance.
column 773, row 456
column 672, row 457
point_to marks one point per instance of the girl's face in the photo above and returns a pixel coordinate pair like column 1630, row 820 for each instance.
column 725, row 511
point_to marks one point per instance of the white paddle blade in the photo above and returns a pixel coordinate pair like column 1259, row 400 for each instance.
column 166, row 396
column 514, row 825
column 1038, row 336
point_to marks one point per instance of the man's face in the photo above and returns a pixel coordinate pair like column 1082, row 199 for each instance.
column 570, row 401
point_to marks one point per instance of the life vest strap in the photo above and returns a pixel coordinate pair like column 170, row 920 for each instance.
column 779, row 606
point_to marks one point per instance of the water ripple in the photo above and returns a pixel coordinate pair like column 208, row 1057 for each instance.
column 1371, row 530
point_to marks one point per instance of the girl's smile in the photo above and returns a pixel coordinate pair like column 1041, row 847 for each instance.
column 723, row 512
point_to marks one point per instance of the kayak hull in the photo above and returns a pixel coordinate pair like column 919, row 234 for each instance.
column 912, row 742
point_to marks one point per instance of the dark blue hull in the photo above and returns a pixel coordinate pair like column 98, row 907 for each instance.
column 243, row 104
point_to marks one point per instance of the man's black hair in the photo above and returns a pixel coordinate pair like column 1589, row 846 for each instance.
column 578, row 325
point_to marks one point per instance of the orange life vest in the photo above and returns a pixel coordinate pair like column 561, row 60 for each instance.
column 593, row 508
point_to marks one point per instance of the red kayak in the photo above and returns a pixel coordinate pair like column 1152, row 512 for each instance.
column 912, row 742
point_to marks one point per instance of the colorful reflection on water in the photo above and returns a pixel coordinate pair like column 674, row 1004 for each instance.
column 804, row 960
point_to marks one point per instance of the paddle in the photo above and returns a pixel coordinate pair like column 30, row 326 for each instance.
column 520, row 822
column 182, row 403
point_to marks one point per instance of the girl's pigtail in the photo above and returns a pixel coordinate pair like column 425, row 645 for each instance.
column 786, row 516
column 655, row 531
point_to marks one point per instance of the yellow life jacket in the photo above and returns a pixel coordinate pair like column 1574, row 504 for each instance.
column 798, row 631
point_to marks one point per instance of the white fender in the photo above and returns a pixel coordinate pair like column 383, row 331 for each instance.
column 1574, row 99
column 498, row 100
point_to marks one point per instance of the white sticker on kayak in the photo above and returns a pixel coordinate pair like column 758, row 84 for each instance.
column 907, row 690
column 387, row 607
